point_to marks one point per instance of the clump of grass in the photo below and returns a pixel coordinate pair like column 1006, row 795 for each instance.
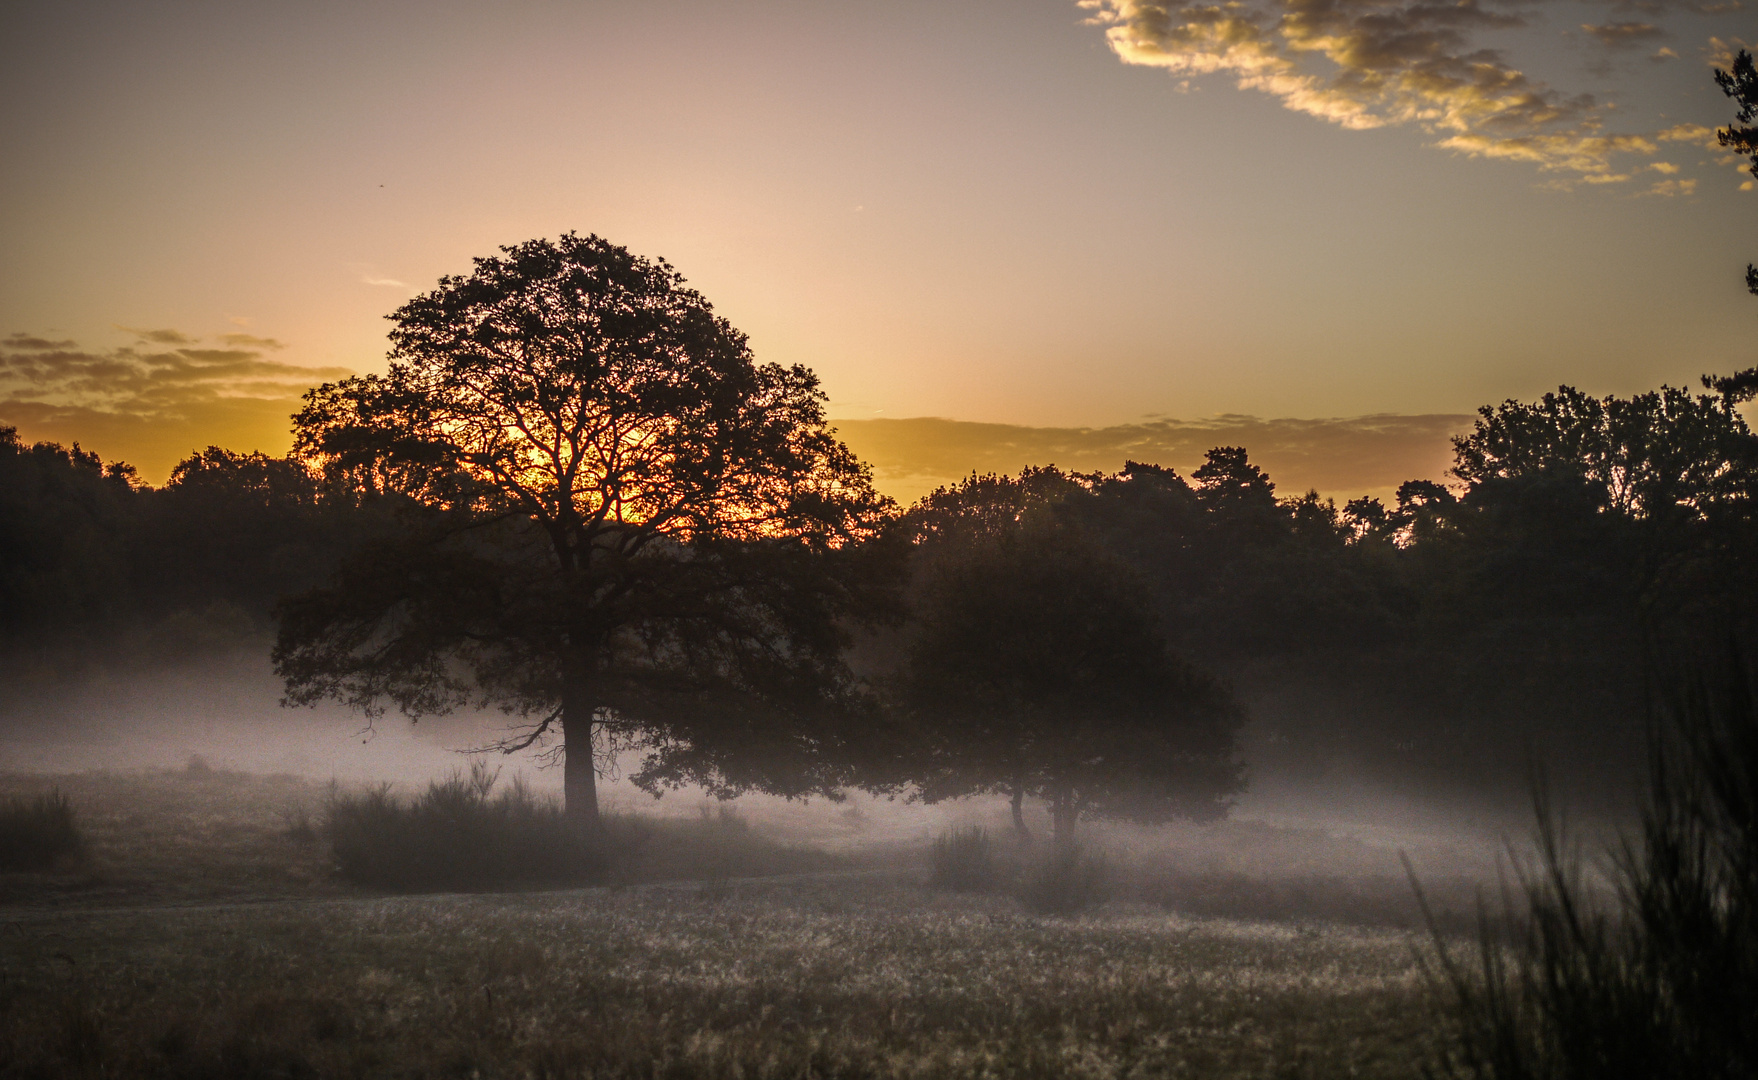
column 963, row 860
column 1661, row 979
column 1067, row 881
column 37, row 833
column 459, row 834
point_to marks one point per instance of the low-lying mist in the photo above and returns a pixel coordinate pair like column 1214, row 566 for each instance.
column 159, row 706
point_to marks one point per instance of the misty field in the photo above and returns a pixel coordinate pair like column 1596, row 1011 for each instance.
column 121, row 966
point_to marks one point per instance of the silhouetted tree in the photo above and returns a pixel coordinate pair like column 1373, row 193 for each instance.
column 619, row 527
column 244, row 530
column 1677, row 472
column 1659, row 456
column 1034, row 668
column 1741, row 137
column 67, row 522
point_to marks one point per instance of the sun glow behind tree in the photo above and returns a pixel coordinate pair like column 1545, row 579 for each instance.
column 622, row 518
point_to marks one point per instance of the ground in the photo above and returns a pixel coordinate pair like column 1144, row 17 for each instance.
column 858, row 970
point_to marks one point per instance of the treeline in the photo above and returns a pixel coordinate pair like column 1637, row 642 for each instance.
column 1439, row 639
column 87, row 550
column 1452, row 636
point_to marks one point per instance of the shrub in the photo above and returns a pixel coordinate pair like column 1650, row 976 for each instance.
column 458, row 835
column 298, row 826
column 1662, row 981
column 35, row 834
column 1066, row 882
column 963, row 860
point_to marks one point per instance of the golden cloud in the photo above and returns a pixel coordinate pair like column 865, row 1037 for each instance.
column 154, row 401
column 1372, row 63
column 1345, row 457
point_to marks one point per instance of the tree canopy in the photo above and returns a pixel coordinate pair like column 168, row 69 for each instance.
column 620, row 526
column 1034, row 668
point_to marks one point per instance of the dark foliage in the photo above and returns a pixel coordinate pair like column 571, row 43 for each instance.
column 1033, row 667
column 459, row 835
column 963, row 860
column 64, row 517
column 1741, row 137
column 1660, row 978
column 620, row 527
column 463, row 835
column 37, row 833
column 87, row 553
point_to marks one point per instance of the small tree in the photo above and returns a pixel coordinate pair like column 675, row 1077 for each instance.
column 1034, row 668
column 1741, row 137
column 620, row 528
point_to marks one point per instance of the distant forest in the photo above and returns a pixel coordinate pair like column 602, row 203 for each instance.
column 1513, row 611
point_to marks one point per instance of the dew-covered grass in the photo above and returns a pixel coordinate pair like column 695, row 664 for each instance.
column 169, row 836
column 207, row 932
column 198, row 835
column 851, row 974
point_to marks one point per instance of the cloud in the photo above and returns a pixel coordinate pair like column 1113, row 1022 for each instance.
column 1689, row 133
column 1720, row 54
column 34, row 344
column 1670, row 188
column 1695, row 7
column 393, row 283
column 1624, row 35
column 160, row 337
column 163, row 395
column 251, row 341
column 1373, row 63
column 1365, row 455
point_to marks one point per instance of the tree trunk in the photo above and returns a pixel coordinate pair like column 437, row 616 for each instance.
column 1019, row 825
column 1063, row 814
column 579, row 771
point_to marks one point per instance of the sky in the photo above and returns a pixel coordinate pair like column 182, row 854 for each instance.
column 1003, row 232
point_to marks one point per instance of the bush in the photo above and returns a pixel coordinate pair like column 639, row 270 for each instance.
column 963, row 860
column 1661, row 979
column 37, row 833
column 1067, row 882
column 457, row 835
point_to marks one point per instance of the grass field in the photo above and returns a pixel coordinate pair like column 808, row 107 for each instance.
column 252, row 961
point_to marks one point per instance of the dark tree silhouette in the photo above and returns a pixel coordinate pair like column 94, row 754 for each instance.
column 1741, row 137
column 66, row 526
column 1676, row 473
column 244, row 530
column 1035, row 669
column 620, row 527
column 1659, row 455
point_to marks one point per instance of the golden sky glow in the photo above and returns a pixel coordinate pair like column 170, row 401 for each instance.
column 1367, row 455
column 1082, row 231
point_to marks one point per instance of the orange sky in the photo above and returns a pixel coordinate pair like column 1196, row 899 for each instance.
column 1074, row 232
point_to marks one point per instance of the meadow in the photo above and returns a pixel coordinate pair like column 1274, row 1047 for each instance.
column 204, row 933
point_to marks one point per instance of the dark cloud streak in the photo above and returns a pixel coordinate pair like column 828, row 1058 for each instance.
column 1624, row 35
column 155, row 401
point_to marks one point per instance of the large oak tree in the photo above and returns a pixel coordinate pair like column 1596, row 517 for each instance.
column 620, row 528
